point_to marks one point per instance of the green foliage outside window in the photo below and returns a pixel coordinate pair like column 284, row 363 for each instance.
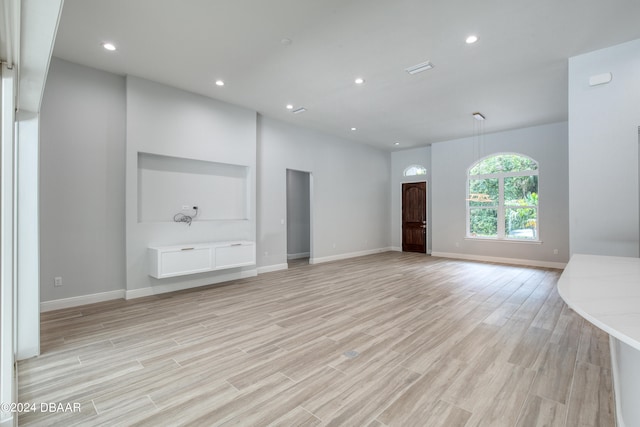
column 503, row 163
column 489, row 186
column 516, row 205
column 484, row 222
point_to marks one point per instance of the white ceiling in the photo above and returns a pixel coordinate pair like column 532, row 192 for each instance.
column 516, row 74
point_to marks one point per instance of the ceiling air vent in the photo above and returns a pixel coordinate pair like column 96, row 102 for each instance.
column 418, row 68
column 299, row 110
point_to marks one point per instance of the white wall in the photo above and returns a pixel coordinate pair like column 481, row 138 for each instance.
column 84, row 158
column 28, row 289
column 298, row 214
column 400, row 160
column 350, row 196
column 603, row 151
column 82, row 143
column 170, row 122
column 603, row 165
column 449, row 162
column 166, row 185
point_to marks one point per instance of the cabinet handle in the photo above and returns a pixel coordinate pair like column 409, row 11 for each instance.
column 236, row 244
column 187, row 249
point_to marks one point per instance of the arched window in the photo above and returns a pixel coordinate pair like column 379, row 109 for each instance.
column 415, row 170
column 502, row 198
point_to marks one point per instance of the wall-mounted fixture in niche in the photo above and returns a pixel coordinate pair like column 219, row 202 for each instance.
column 170, row 185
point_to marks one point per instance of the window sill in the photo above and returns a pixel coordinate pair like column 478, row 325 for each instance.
column 496, row 240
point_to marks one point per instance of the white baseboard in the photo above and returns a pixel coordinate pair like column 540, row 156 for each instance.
column 298, row 256
column 81, row 300
column 348, row 255
column 270, row 268
column 139, row 293
column 501, row 260
column 163, row 289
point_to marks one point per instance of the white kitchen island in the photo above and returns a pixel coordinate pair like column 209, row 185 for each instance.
column 605, row 290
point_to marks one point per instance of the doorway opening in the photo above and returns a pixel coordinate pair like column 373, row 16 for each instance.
column 414, row 217
column 299, row 241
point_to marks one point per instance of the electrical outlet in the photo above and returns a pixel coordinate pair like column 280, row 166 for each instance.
column 57, row 281
column 186, row 207
column 555, row 252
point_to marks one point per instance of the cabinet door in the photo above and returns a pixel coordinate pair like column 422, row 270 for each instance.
column 185, row 261
column 236, row 255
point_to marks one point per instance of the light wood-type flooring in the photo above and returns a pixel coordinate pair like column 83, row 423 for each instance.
column 393, row 339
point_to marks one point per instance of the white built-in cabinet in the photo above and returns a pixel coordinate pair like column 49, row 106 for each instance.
column 180, row 260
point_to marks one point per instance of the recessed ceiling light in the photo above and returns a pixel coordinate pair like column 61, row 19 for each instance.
column 109, row 46
column 285, row 41
column 478, row 116
column 396, row 143
column 359, row 80
column 471, row 39
column 289, row 107
column 219, row 83
column 354, row 128
column 418, row 68
column 299, row 110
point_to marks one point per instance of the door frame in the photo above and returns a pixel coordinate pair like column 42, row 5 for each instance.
column 311, row 215
column 426, row 208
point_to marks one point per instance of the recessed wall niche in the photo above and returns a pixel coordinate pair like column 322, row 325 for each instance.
column 171, row 185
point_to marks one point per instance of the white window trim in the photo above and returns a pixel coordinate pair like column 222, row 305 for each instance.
column 501, row 206
column 496, row 240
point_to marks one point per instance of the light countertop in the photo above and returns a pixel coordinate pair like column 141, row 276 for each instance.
column 605, row 290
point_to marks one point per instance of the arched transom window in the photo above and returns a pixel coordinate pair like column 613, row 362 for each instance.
column 502, row 198
column 415, row 170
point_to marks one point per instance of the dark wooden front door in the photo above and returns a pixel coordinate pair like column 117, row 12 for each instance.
column 414, row 217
